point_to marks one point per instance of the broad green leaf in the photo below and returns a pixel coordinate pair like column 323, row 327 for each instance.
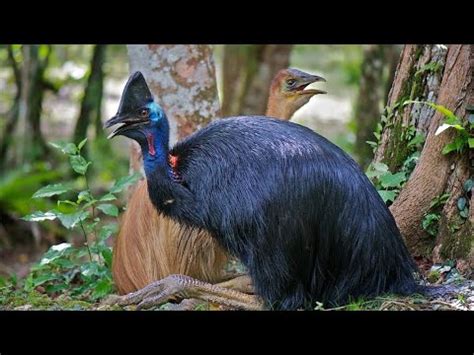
column 89, row 269
column 102, row 288
column 66, row 202
column 41, row 279
column 376, row 170
column 108, row 197
column 109, row 209
column 79, row 164
column 470, row 141
column 66, row 148
column 392, row 180
column 124, row 182
column 51, row 190
column 418, row 139
column 448, row 148
column 84, row 196
column 461, row 203
column 464, row 213
column 107, row 230
column 107, row 255
column 81, row 144
column 468, row 185
column 72, row 219
column 387, row 195
column 39, row 216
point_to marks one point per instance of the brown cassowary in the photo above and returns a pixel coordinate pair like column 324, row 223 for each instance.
column 151, row 246
column 292, row 206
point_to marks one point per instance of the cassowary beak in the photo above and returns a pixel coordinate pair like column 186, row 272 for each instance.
column 306, row 80
column 126, row 123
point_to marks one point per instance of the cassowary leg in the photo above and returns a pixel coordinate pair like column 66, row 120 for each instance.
column 241, row 283
column 185, row 287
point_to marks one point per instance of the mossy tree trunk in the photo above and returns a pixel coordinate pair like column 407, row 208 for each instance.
column 92, row 99
column 443, row 75
column 183, row 80
column 247, row 73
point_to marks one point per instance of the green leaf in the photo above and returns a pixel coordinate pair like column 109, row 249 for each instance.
column 41, row 279
column 109, row 209
column 392, row 180
column 387, row 195
column 81, row 144
column 102, row 288
column 67, row 202
column 429, row 223
column 468, row 185
column 79, row 164
column 39, row 216
column 72, row 219
column 461, row 203
column 124, row 182
column 418, row 139
column 470, row 141
column 108, row 197
column 51, row 190
column 84, row 196
column 107, row 230
column 107, row 255
column 89, row 269
column 464, row 213
column 66, row 148
column 376, row 170
column 448, row 148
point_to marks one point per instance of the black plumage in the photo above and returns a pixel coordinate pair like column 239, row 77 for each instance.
column 292, row 206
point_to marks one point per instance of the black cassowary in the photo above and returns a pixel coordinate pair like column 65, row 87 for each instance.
column 293, row 207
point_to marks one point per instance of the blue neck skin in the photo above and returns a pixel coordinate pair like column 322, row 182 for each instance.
column 155, row 153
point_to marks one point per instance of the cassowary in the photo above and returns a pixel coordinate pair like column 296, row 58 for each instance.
column 293, row 207
column 151, row 246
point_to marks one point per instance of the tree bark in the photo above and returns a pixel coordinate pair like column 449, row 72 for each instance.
column 444, row 76
column 247, row 73
column 12, row 116
column 182, row 78
column 34, row 65
column 368, row 108
column 92, row 100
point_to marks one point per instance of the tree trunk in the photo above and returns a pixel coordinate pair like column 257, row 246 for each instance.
column 445, row 76
column 12, row 116
column 35, row 61
column 92, row 100
column 182, row 78
column 367, row 111
column 247, row 73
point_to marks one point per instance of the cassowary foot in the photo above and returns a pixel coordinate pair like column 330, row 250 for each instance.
column 176, row 287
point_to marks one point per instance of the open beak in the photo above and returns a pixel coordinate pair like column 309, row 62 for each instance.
column 125, row 123
column 307, row 80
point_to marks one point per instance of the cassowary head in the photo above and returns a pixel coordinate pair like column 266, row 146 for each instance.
column 139, row 116
column 288, row 89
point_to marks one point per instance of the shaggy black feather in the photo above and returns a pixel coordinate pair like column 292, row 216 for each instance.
column 295, row 208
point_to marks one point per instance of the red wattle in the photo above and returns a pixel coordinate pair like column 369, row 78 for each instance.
column 151, row 144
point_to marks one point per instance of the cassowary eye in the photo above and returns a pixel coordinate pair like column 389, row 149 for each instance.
column 290, row 82
column 144, row 112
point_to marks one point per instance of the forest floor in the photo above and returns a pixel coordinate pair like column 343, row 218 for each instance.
column 462, row 300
